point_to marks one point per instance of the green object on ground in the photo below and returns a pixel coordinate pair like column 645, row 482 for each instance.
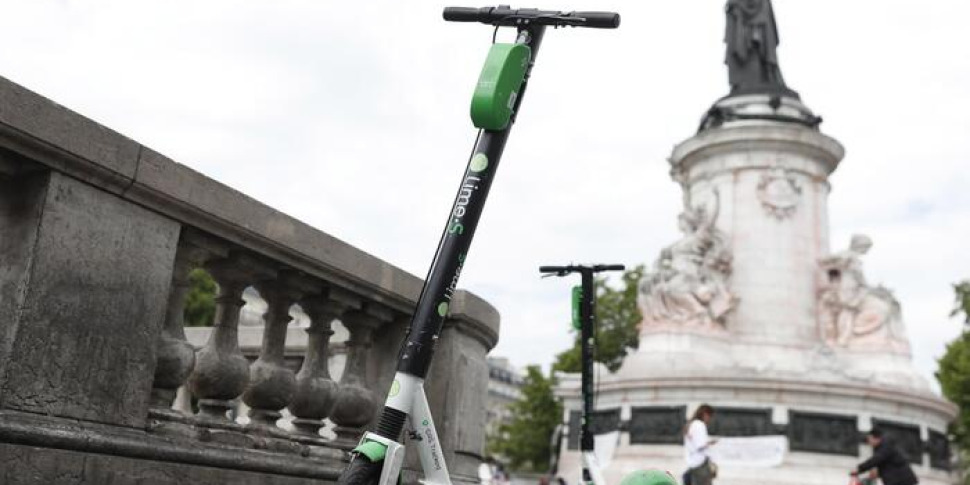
column 577, row 307
column 499, row 84
column 373, row 450
column 649, row 477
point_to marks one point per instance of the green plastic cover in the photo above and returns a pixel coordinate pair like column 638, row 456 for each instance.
column 373, row 450
column 577, row 308
column 649, row 477
column 498, row 85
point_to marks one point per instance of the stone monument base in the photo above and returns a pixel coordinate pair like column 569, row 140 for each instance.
column 799, row 398
column 798, row 469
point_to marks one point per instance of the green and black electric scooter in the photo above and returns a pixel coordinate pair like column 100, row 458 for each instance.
column 584, row 315
column 497, row 99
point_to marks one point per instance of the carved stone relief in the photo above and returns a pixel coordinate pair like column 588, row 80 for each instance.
column 779, row 193
column 855, row 314
column 688, row 284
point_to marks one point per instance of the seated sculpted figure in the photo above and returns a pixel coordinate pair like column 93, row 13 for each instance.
column 853, row 312
column 688, row 284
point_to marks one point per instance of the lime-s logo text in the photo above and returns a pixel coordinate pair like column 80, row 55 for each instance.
column 478, row 163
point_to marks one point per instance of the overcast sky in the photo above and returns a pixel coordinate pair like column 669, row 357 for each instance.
column 353, row 117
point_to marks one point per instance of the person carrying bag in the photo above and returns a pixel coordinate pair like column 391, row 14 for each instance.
column 700, row 469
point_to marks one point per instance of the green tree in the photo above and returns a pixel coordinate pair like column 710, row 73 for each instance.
column 524, row 440
column 200, row 305
column 962, row 304
column 617, row 320
column 954, row 372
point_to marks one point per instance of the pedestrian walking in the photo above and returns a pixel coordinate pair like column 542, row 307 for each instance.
column 697, row 443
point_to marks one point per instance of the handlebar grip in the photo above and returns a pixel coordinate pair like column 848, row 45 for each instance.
column 613, row 267
column 462, row 14
column 599, row 20
column 550, row 269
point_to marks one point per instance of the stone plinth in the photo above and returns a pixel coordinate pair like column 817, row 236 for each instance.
column 90, row 287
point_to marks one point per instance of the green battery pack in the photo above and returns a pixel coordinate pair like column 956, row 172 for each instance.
column 499, row 84
column 577, row 307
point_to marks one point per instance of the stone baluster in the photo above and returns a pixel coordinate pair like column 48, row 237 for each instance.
column 221, row 371
column 175, row 356
column 271, row 383
column 316, row 392
column 356, row 404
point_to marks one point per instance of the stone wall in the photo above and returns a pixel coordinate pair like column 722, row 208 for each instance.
column 97, row 237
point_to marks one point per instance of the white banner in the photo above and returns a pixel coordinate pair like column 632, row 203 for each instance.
column 750, row 452
column 604, row 446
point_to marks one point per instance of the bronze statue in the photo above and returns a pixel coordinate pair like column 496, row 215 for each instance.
column 752, row 38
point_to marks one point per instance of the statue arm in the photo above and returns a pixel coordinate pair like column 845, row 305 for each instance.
column 855, row 266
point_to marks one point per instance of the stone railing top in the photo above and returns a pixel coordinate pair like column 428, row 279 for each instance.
column 34, row 129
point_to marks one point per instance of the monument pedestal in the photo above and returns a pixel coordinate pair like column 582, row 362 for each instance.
column 752, row 313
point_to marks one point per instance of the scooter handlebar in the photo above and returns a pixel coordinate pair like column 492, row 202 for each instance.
column 504, row 16
column 564, row 270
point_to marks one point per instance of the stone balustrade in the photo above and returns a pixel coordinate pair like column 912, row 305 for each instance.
column 98, row 235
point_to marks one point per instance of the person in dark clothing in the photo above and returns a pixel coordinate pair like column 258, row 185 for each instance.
column 886, row 458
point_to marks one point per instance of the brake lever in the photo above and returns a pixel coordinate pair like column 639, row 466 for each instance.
column 558, row 274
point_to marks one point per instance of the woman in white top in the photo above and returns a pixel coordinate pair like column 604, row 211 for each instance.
column 700, row 469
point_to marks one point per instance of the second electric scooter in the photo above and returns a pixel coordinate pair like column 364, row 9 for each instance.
column 584, row 313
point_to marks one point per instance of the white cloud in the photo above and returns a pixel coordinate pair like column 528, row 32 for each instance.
column 354, row 119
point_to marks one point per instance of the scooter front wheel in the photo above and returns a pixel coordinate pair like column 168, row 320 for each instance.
column 361, row 471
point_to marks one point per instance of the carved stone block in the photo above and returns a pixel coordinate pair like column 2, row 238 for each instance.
column 823, row 433
column 605, row 421
column 905, row 436
column 657, row 424
column 741, row 422
column 21, row 204
column 939, row 450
